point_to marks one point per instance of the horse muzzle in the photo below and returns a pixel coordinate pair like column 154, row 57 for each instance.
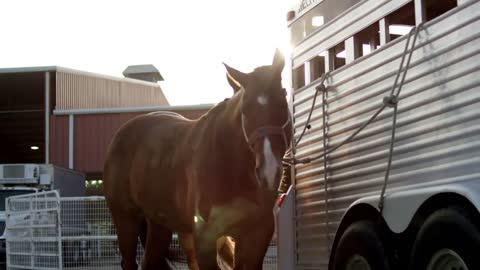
column 268, row 180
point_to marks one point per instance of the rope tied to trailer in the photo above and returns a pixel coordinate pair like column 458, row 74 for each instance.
column 390, row 101
column 319, row 88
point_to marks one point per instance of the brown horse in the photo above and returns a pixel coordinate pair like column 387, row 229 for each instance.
column 207, row 178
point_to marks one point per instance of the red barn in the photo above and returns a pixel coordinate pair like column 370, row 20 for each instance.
column 67, row 117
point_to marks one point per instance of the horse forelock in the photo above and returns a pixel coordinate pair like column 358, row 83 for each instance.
column 265, row 77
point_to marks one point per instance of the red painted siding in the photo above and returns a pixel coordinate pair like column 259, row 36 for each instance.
column 93, row 134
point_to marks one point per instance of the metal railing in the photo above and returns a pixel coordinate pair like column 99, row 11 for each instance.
column 45, row 231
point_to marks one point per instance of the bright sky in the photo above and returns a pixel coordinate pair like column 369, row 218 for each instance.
column 186, row 40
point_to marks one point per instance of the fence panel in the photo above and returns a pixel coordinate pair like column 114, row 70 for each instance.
column 33, row 231
column 85, row 237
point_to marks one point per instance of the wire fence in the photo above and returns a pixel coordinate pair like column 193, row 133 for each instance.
column 44, row 231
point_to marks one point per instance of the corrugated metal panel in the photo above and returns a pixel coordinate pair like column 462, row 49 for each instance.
column 438, row 127
column 59, row 140
column 93, row 134
column 81, row 91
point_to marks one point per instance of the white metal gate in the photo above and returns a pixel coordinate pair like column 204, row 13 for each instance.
column 32, row 231
column 45, row 231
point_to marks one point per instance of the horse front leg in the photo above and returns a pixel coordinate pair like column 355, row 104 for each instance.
column 188, row 245
column 251, row 246
column 206, row 249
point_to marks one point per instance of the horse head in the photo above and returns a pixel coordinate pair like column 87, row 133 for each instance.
column 265, row 118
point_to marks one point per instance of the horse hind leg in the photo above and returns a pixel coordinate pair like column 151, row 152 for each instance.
column 128, row 230
column 156, row 248
column 143, row 233
column 187, row 243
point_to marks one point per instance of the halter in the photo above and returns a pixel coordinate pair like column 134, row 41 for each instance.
column 265, row 131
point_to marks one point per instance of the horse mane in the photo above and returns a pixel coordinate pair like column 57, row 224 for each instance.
column 214, row 141
column 217, row 109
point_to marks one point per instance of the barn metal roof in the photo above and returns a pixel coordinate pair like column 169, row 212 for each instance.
column 176, row 108
column 72, row 71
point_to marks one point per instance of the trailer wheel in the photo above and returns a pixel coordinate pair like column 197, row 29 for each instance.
column 360, row 248
column 447, row 241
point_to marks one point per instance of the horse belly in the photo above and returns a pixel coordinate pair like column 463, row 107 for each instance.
column 163, row 201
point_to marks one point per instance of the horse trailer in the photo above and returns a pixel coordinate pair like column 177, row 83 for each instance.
column 386, row 108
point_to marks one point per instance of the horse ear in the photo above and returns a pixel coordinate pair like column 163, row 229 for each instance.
column 278, row 61
column 239, row 77
column 234, row 84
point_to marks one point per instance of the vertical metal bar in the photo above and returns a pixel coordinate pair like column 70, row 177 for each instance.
column 308, row 72
column 373, row 44
column 71, row 140
column 59, row 228
column 329, row 60
column 384, row 31
column 351, row 49
column 7, row 242
column 30, row 225
column 286, row 242
column 420, row 12
column 47, row 117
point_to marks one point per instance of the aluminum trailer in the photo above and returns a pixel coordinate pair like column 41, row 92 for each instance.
column 348, row 53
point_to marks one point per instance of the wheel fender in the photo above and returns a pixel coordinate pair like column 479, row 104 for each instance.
column 400, row 206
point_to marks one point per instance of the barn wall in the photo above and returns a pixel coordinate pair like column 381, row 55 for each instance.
column 85, row 91
column 93, row 133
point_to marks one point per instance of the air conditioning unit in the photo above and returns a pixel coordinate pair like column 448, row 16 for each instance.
column 19, row 173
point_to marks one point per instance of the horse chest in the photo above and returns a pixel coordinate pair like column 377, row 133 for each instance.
column 223, row 219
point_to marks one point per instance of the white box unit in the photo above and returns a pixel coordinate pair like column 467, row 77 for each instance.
column 19, row 173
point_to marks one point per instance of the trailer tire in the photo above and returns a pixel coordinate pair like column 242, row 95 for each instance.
column 361, row 244
column 447, row 240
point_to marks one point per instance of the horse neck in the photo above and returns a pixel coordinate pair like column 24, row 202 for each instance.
column 224, row 141
column 229, row 129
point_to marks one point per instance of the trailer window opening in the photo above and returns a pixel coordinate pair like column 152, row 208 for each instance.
column 339, row 55
column 401, row 21
column 317, row 66
column 435, row 8
column 299, row 77
column 367, row 40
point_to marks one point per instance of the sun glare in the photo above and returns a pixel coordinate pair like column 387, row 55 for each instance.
column 189, row 56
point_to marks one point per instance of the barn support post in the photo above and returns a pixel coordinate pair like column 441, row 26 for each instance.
column 71, row 140
column 47, row 117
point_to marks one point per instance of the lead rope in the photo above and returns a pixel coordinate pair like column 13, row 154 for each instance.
column 319, row 88
column 392, row 101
